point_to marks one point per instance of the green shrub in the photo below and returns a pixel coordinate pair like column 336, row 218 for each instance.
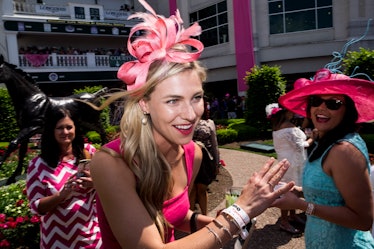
column 12, row 161
column 221, row 122
column 245, row 132
column 19, row 228
column 8, row 124
column 93, row 137
column 369, row 140
column 233, row 121
column 359, row 62
column 104, row 115
column 225, row 136
column 265, row 85
column 112, row 132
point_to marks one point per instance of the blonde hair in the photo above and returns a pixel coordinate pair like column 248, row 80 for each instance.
column 138, row 148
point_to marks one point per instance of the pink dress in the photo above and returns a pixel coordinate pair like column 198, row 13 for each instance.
column 74, row 223
column 174, row 210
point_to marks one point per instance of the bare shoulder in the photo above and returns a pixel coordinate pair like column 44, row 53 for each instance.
column 345, row 156
column 347, row 150
column 105, row 166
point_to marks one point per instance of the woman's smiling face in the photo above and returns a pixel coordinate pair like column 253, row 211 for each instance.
column 65, row 131
column 326, row 119
column 175, row 107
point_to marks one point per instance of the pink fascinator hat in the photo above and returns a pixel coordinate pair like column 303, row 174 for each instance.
column 325, row 82
column 160, row 37
column 272, row 109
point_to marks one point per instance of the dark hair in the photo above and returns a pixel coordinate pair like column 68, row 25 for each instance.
column 50, row 150
column 346, row 126
column 278, row 118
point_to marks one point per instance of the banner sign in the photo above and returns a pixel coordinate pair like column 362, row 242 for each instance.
column 55, row 10
column 117, row 61
column 63, row 26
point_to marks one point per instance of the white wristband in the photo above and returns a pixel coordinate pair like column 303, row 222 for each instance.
column 310, row 209
column 242, row 214
column 240, row 218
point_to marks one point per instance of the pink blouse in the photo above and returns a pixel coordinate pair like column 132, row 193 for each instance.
column 73, row 223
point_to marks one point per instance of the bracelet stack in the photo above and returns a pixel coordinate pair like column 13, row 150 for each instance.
column 239, row 217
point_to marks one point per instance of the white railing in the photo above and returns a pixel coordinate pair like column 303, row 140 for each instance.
column 88, row 60
column 56, row 60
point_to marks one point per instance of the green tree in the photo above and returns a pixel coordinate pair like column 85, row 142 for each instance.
column 265, row 85
column 359, row 62
column 8, row 124
column 104, row 115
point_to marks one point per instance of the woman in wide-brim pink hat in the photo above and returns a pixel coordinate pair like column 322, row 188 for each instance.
column 336, row 186
column 359, row 90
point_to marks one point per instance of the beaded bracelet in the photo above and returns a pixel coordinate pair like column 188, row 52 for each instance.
column 216, row 236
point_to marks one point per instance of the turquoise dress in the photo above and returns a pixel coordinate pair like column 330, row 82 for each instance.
column 319, row 188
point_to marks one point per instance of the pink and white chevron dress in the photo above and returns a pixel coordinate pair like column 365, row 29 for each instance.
column 74, row 223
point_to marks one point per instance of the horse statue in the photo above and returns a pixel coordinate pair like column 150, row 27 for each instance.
column 31, row 104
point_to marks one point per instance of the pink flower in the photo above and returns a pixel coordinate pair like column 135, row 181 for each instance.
column 4, row 244
column 2, row 217
column 20, row 219
column 35, row 219
column 12, row 224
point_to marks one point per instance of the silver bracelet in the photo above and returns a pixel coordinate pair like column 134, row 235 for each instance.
column 219, row 225
column 216, row 236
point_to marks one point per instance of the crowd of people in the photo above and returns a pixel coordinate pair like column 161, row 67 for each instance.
column 69, row 50
column 135, row 191
column 227, row 107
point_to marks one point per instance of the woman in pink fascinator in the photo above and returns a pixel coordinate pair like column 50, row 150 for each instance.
column 143, row 178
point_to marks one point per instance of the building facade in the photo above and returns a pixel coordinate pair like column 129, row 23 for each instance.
column 63, row 43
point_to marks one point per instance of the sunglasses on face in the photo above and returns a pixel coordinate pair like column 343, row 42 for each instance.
column 331, row 104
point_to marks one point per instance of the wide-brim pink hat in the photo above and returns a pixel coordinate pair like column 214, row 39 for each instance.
column 326, row 83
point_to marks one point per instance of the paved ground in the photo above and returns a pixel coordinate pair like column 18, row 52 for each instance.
column 241, row 165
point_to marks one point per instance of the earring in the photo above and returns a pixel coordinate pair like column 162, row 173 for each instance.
column 145, row 119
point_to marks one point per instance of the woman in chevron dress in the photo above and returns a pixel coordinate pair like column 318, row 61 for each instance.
column 60, row 189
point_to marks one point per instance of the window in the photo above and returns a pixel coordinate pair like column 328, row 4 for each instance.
column 287, row 16
column 214, row 23
column 86, row 12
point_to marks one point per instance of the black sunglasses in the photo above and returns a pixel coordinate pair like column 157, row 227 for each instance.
column 332, row 104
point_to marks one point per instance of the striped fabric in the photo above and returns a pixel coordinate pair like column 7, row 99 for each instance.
column 73, row 224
